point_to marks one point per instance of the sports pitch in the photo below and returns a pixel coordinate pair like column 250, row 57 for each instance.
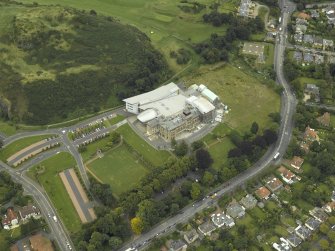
column 119, row 168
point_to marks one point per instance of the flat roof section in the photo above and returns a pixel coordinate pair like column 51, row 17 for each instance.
column 167, row 107
column 154, row 95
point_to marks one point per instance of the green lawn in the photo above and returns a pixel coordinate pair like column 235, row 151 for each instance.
column 219, row 152
column 7, row 128
column 113, row 121
column 119, row 168
column 20, row 144
column 156, row 157
column 53, row 185
column 248, row 99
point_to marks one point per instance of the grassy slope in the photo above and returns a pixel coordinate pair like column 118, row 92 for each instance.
column 155, row 156
column 19, row 145
column 53, row 185
column 162, row 17
column 247, row 98
column 118, row 168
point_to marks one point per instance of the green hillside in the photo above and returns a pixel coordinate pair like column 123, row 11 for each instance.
column 58, row 62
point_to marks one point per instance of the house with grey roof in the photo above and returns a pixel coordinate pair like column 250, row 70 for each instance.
column 298, row 37
column 191, row 236
column 177, row 245
column 248, row 201
column 303, row 232
column 319, row 59
column 297, row 55
column 308, row 57
column 309, row 39
column 294, row 240
column 282, row 246
column 318, row 214
column 300, row 28
column 313, row 224
column 235, row 210
column 207, row 228
column 318, row 42
column 315, row 14
column 327, row 43
column 301, row 21
column 218, row 219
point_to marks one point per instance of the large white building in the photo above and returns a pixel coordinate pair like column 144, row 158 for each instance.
column 168, row 111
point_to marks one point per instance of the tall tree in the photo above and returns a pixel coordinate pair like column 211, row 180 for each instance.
column 203, row 158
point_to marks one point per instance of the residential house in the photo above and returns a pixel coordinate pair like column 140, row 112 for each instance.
column 300, row 28
column 313, row 90
column 311, row 135
column 312, row 224
column 303, row 232
column 207, row 228
column 319, row 59
column 318, row 214
column 327, row 43
column 297, row 56
column 10, row 219
column 244, row 8
column 308, row 57
column 263, row 193
column 177, row 245
column 286, row 175
column 318, row 42
column 330, row 14
column 304, row 15
column 297, row 162
column 315, row 14
column 29, row 211
column 324, row 119
column 228, row 221
column 235, row 210
column 294, row 240
column 218, row 219
column 301, row 21
column 273, row 183
column 329, row 207
column 298, row 37
column 191, row 236
column 331, row 59
column 248, row 201
column 282, row 246
column 309, row 39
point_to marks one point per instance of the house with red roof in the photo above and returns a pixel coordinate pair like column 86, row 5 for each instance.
column 10, row 219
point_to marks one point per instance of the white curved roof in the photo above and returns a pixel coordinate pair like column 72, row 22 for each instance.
column 211, row 96
column 147, row 115
column 202, row 104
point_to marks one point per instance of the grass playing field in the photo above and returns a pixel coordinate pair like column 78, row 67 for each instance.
column 47, row 174
column 248, row 99
column 119, row 168
column 149, row 153
column 20, row 144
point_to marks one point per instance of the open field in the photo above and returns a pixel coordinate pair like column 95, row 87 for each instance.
column 248, row 99
column 20, row 144
column 119, row 168
column 219, row 152
column 162, row 20
column 149, row 153
column 47, row 174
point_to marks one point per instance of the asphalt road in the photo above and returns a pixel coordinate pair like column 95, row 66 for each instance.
column 57, row 229
column 285, row 131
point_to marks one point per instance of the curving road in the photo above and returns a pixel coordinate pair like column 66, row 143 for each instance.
column 287, row 111
column 37, row 192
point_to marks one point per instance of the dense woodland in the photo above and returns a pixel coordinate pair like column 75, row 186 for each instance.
column 119, row 60
column 218, row 47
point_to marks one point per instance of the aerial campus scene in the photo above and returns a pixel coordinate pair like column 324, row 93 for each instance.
column 202, row 125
